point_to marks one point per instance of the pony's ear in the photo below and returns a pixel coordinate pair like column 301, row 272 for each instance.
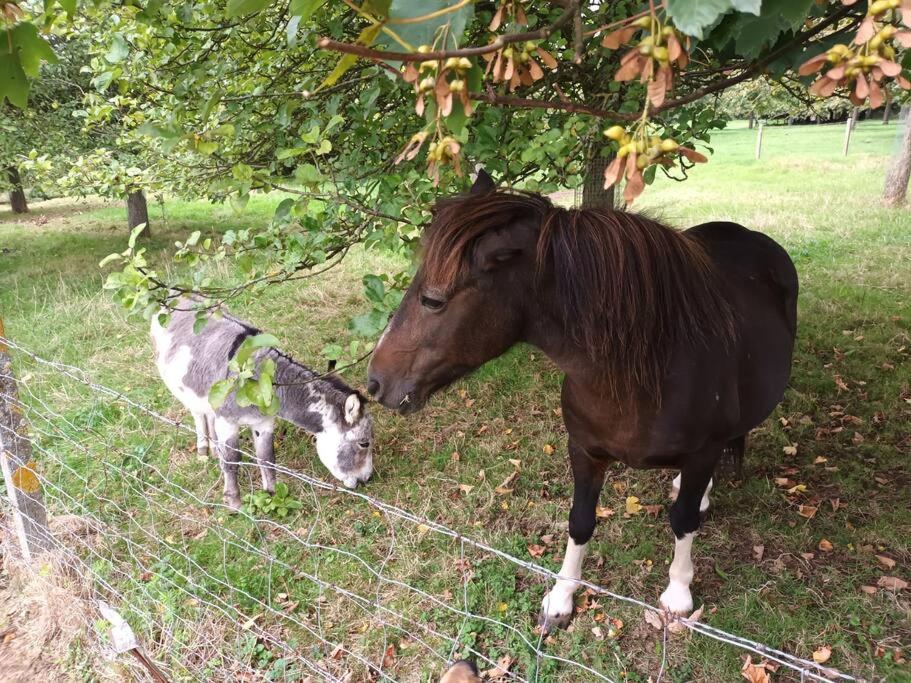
column 483, row 183
column 330, row 366
column 353, row 409
column 494, row 250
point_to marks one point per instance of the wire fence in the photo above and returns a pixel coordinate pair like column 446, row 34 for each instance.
column 348, row 588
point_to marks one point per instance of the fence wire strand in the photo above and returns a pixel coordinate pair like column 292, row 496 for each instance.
column 136, row 547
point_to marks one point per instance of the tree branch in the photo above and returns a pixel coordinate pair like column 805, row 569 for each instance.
column 500, row 42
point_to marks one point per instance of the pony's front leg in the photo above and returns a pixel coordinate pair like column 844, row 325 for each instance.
column 685, row 519
column 588, row 478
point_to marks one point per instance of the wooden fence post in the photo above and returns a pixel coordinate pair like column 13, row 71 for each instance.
column 759, row 139
column 849, row 126
column 22, row 484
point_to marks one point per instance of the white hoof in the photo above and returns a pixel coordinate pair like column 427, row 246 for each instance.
column 677, row 598
column 556, row 610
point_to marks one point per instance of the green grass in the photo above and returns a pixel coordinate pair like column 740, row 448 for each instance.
column 848, row 403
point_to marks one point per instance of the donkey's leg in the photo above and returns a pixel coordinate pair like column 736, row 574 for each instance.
column 229, row 454
column 684, row 518
column 213, row 438
column 202, row 435
column 265, row 454
column 704, row 504
column 588, row 478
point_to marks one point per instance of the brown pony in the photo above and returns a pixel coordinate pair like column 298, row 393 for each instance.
column 674, row 344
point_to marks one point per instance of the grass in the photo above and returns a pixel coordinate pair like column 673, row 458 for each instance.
column 847, row 413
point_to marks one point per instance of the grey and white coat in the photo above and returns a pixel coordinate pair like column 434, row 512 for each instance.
column 335, row 414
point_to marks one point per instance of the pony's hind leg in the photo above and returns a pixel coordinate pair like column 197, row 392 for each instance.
column 685, row 519
column 588, row 478
column 704, row 504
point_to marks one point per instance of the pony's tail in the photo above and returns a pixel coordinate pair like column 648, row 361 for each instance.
column 731, row 464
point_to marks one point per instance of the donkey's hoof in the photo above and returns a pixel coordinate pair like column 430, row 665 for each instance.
column 233, row 502
column 677, row 599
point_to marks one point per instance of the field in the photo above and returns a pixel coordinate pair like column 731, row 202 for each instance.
column 793, row 555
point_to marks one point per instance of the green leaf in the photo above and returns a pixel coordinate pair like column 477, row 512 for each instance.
column 281, row 490
column 691, row 16
column 332, row 352
column 345, row 62
column 751, row 6
column 308, row 174
column 13, row 83
column 423, row 32
column 33, row 49
column 305, row 8
column 261, row 340
column 119, row 50
column 795, row 12
column 109, row 259
column 134, row 233
column 374, row 288
column 239, row 8
column 219, row 392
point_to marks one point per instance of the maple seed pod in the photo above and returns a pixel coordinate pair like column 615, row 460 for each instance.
column 669, row 145
column 427, row 84
column 887, row 32
column 464, row 63
column 645, row 49
column 457, row 85
column 880, row 6
column 530, row 45
column 615, row 133
column 430, row 65
column 423, row 49
column 451, row 63
column 660, row 53
column 642, row 162
column 667, row 31
column 643, row 22
column 507, row 52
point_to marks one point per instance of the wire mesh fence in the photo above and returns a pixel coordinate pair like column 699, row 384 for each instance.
column 332, row 585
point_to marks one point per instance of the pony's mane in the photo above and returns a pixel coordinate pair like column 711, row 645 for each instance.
column 627, row 288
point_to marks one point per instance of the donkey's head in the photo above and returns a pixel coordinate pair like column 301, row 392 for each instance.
column 345, row 443
column 467, row 303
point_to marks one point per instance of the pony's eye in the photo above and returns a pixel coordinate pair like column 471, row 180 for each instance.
column 364, row 444
column 431, row 303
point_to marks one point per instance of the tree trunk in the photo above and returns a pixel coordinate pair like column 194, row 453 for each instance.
column 138, row 212
column 887, row 110
column 594, row 196
column 900, row 167
column 854, row 113
column 751, row 122
column 16, row 194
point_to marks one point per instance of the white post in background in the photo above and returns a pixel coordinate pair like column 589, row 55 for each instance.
column 759, row 139
column 22, row 485
column 849, row 126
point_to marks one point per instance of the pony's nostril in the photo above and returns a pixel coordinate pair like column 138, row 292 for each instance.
column 372, row 387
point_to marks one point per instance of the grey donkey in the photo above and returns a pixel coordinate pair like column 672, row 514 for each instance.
column 191, row 363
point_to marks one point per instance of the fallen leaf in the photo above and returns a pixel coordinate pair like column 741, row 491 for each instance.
column 886, row 561
column 808, row 556
column 654, row 620
column 598, row 633
column 807, row 511
column 858, row 438
column 500, row 670
column 758, row 552
column 547, row 539
column 799, row 488
column 678, row 627
column 869, row 590
column 619, row 486
column 892, row 583
column 604, row 512
column 783, row 482
column 548, row 449
column 536, row 550
column 819, row 460
column 826, row 546
column 790, row 450
column 466, row 488
column 632, row 505
column 755, row 673
column 389, row 657
column 250, row 623
column 515, row 463
column 653, row 510
column 456, row 456
column 503, row 488
column 821, row 656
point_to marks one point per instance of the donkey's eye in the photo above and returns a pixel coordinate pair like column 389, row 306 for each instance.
column 431, row 303
column 364, row 444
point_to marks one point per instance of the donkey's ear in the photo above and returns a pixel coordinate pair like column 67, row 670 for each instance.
column 330, row 366
column 353, row 409
column 494, row 250
column 483, row 183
